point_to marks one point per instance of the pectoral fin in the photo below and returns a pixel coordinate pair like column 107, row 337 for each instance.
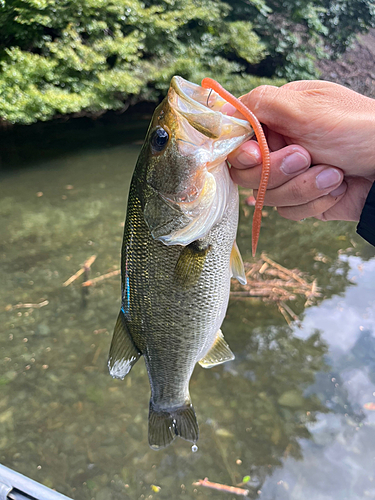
column 190, row 264
column 123, row 354
column 219, row 353
column 236, row 265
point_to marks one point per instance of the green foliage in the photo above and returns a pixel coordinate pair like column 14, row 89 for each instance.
column 344, row 19
column 59, row 57
column 64, row 57
column 296, row 33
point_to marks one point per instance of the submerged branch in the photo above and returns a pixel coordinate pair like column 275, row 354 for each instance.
column 101, row 278
column 221, row 487
column 84, row 269
column 283, row 269
column 27, row 305
column 275, row 283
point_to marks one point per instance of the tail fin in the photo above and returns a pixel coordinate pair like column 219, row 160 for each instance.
column 164, row 426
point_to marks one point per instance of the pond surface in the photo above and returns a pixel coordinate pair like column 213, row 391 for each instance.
column 291, row 411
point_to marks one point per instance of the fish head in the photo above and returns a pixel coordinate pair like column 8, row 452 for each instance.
column 186, row 176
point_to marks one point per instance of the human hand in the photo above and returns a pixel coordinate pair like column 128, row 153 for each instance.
column 334, row 128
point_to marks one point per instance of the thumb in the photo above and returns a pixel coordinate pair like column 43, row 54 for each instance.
column 310, row 85
column 291, row 109
column 276, row 107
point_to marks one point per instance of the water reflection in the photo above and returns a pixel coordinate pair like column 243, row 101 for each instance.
column 339, row 461
column 288, row 411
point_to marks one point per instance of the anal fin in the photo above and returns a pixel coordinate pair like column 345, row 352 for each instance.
column 219, row 353
column 236, row 265
column 122, row 354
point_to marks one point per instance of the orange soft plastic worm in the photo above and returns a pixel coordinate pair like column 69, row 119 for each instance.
column 209, row 83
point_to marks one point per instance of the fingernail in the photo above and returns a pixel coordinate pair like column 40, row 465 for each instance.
column 228, row 109
column 327, row 178
column 249, row 160
column 294, row 163
column 340, row 190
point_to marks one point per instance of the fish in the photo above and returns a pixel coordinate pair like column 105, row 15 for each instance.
column 179, row 253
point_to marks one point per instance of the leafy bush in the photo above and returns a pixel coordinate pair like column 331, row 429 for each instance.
column 74, row 56
column 296, row 33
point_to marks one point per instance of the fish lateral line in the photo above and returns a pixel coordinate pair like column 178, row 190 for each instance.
column 209, row 83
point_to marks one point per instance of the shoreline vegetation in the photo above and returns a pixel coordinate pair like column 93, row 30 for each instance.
column 83, row 58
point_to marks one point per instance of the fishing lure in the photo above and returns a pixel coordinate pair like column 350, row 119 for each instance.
column 209, row 83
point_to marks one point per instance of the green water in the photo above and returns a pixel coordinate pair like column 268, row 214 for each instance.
column 288, row 411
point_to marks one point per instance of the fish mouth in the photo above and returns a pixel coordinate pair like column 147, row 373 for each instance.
column 201, row 108
column 201, row 139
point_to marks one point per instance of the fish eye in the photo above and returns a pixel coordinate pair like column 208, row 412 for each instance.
column 159, row 139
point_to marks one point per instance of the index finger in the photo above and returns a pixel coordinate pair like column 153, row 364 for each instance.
column 286, row 163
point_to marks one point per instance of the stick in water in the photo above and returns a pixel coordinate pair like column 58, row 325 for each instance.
column 101, row 278
column 209, row 83
column 221, row 487
column 84, row 269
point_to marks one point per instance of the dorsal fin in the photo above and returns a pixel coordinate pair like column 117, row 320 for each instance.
column 236, row 265
column 122, row 354
column 219, row 353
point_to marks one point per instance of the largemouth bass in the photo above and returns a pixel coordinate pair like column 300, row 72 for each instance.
column 178, row 254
